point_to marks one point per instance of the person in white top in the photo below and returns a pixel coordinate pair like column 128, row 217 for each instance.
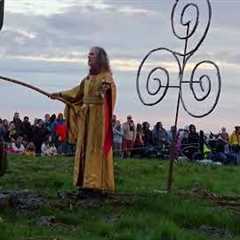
column 117, row 139
column 17, row 146
column 48, row 148
column 129, row 135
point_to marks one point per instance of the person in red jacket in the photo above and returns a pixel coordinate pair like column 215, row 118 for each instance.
column 61, row 134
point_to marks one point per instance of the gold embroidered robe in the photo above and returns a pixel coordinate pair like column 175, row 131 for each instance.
column 86, row 127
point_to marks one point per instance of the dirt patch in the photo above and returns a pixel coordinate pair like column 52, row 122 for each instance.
column 21, row 200
column 214, row 232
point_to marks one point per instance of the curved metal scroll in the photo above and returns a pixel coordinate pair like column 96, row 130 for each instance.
column 185, row 27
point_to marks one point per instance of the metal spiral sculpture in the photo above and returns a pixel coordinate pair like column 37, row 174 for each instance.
column 157, row 82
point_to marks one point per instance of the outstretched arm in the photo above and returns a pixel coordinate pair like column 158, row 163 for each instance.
column 72, row 95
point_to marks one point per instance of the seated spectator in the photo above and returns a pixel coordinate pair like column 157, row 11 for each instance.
column 191, row 143
column 171, row 133
column 30, row 149
column 182, row 136
column 17, row 146
column 48, row 148
column 193, row 136
column 218, row 153
column 40, row 133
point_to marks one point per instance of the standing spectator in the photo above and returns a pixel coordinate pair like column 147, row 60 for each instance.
column 234, row 142
column 12, row 132
column 6, row 131
column 47, row 122
column 139, row 143
column 159, row 136
column 224, row 137
column 114, row 120
column 26, row 129
column 117, row 138
column 171, row 133
column 129, row 135
column 147, row 139
column 60, row 130
column 51, row 126
column 1, row 130
column 18, row 124
column 235, row 138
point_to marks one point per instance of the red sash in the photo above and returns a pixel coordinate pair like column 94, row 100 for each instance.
column 108, row 122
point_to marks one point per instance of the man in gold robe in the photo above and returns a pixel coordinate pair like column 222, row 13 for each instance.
column 89, row 123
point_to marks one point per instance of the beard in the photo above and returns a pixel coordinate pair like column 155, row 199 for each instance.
column 95, row 69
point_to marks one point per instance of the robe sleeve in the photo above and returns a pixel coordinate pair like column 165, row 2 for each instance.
column 75, row 94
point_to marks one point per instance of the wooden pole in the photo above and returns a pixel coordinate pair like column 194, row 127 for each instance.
column 34, row 88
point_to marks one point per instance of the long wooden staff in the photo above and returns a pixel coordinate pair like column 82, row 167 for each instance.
column 35, row 89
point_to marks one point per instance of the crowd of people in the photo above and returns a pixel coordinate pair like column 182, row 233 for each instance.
column 48, row 137
column 42, row 138
column 130, row 139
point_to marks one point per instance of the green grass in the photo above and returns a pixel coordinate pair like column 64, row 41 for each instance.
column 146, row 214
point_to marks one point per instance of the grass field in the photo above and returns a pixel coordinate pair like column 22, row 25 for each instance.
column 138, row 211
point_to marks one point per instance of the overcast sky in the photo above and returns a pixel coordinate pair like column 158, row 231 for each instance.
column 45, row 43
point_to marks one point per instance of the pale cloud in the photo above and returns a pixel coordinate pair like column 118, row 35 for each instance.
column 120, row 64
column 20, row 32
column 43, row 7
column 47, row 8
column 136, row 11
